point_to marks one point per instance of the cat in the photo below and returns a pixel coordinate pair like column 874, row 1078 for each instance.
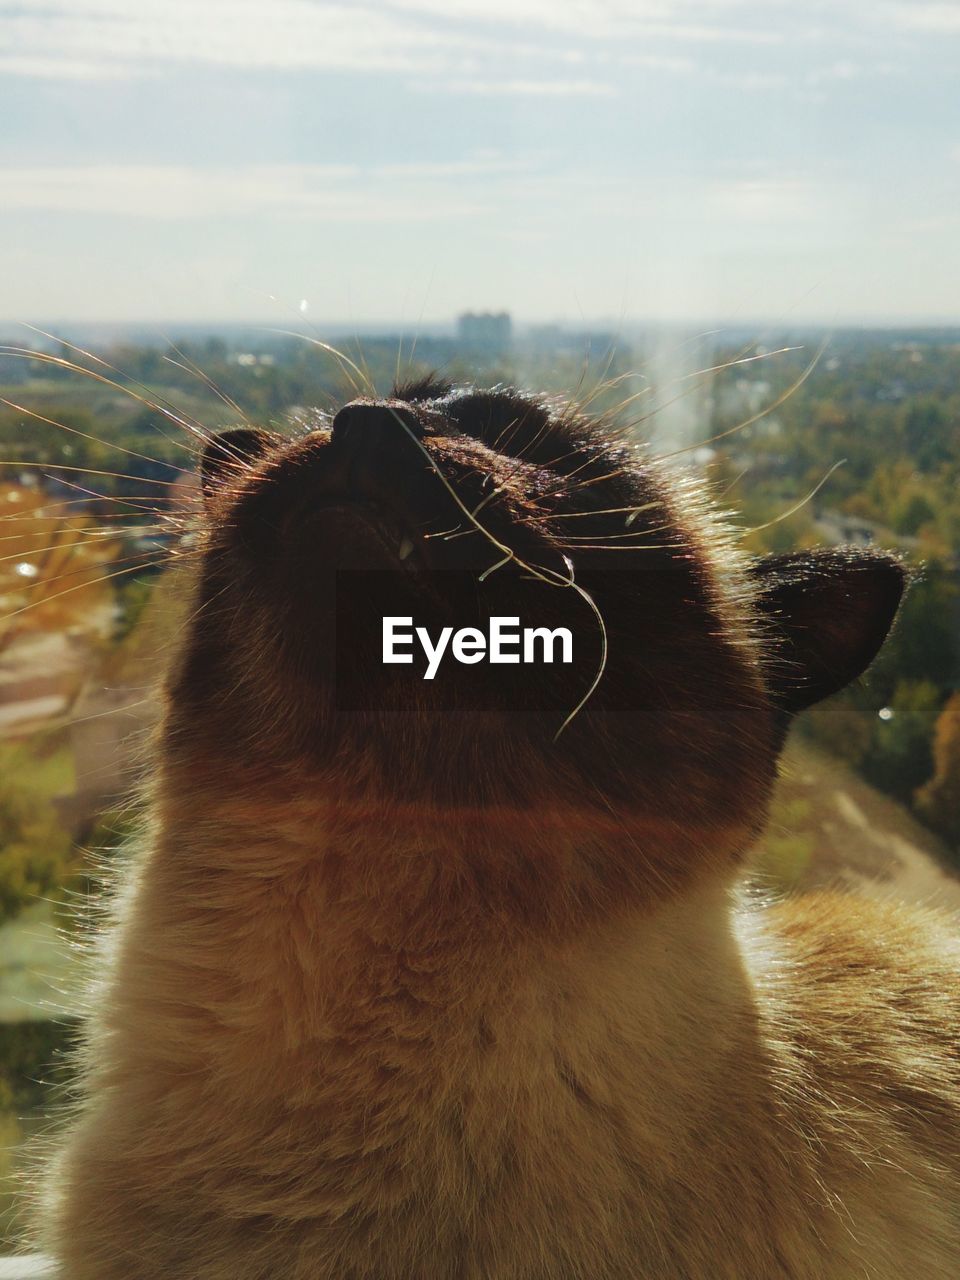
column 452, row 979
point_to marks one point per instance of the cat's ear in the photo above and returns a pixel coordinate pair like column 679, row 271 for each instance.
column 828, row 612
column 231, row 452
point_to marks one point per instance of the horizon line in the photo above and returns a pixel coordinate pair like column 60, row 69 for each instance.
column 447, row 326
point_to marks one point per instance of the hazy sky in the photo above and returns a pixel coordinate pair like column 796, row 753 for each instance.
column 399, row 159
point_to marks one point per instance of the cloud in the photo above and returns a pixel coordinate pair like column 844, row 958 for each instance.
column 940, row 19
column 116, row 35
column 750, row 81
column 52, row 66
column 416, row 192
column 480, row 185
column 520, row 88
column 613, row 19
column 90, row 39
column 769, row 199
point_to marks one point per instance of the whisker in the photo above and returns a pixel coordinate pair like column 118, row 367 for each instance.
column 737, row 360
column 651, row 546
column 601, row 667
column 44, row 357
column 146, row 507
column 732, row 484
column 396, row 372
column 550, row 576
column 445, row 533
column 346, row 364
column 43, row 582
column 799, row 505
column 519, row 462
column 48, row 510
column 589, row 539
column 580, row 515
column 197, row 612
column 110, row 711
column 701, row 375
column 94, row 534
column 190, row 366
column 361, row 355
column 593, row 453
column 565, row 488
column 175, row 517
column 79, row 587
column 781, row 399
column 494, row 567
column 51, row 422
column 55, row 546
column 582, row 405
column 156, row 403
column 423, row 308
column 603, row 383
column 89, row 471
column 586, row 484
column 503, row 438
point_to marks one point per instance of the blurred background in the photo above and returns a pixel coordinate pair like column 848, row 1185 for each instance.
column 732, row 225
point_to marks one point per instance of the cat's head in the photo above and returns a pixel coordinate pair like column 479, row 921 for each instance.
column 450, row 507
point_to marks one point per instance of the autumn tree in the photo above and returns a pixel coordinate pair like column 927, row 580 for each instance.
column 939, row 800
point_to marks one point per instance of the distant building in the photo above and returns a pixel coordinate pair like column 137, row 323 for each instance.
column 487, row 333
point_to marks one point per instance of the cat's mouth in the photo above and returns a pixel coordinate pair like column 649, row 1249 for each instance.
column 356, row 533
column 372, row 562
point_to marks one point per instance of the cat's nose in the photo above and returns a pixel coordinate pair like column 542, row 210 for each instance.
column 369, row 423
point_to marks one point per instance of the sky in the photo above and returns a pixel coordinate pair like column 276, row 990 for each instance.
column 399, row 161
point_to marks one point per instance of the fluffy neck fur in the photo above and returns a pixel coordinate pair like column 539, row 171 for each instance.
column 289, row 1079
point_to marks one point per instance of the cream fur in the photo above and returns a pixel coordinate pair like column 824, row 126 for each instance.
column 696, row 1090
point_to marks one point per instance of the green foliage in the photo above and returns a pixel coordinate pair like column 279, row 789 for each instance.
column 939, row 801
column 899, row 757
column 884, row 732
column 133, row 595
column 929, row 428
column 787, row 847
column 841, row 728
column 35, row 851
column 912, row 513
column 888, row 406
column 925, row 644
column 32, row 1056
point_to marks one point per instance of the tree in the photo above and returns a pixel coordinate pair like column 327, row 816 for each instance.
column 899, row 758
column 925, row 644
column 35, row 851
column 913, row 513
column 939, row 800
column 56, row 567
column 929, row 432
